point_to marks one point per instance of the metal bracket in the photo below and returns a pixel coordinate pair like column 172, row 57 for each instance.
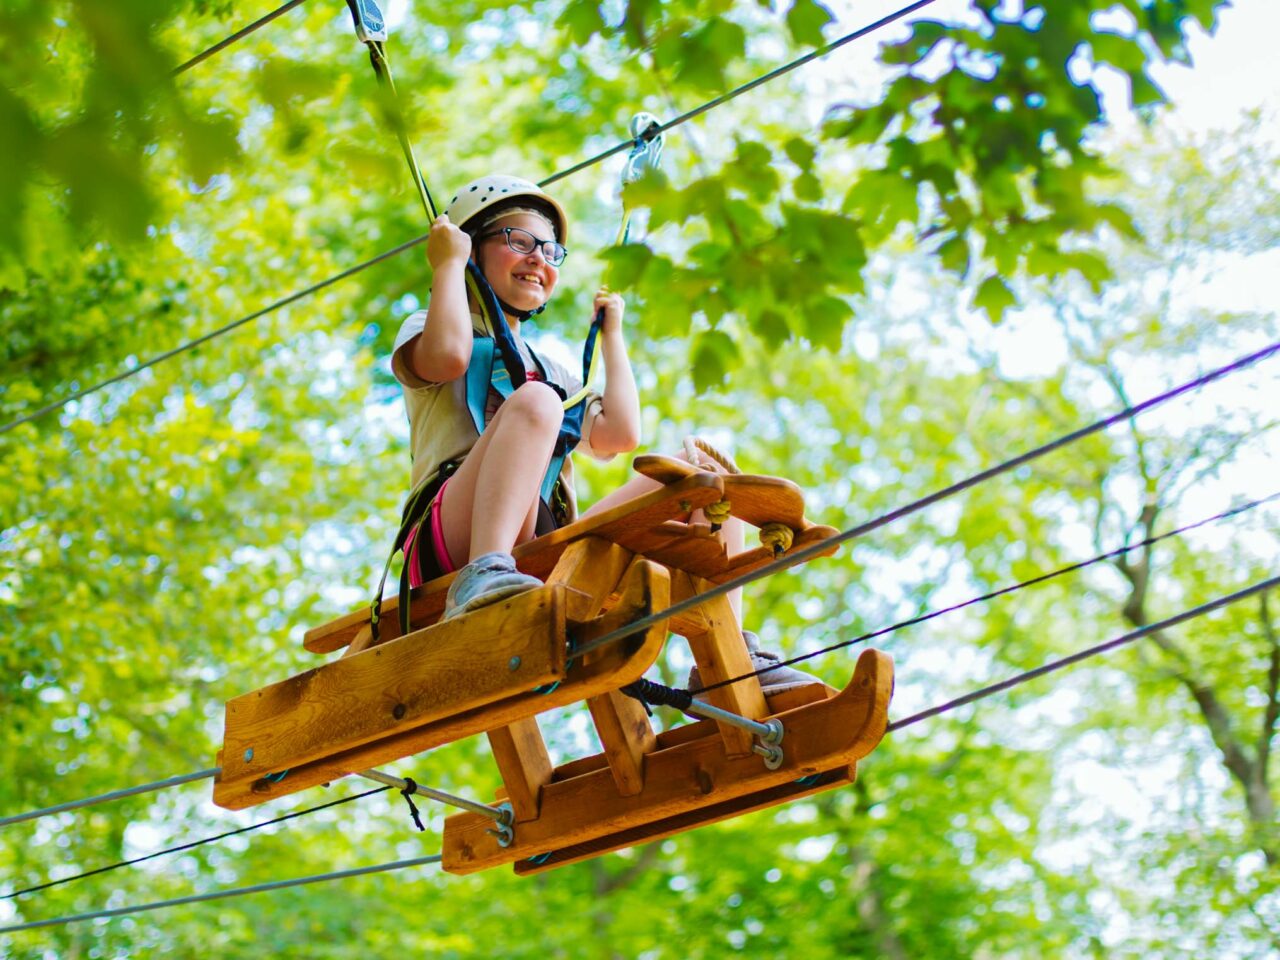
column 505, row 831
column 371, row 25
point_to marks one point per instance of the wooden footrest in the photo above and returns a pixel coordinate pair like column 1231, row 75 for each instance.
column 687, row 781
column 445, row 682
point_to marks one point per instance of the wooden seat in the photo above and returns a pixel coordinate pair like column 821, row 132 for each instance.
column 494, row 670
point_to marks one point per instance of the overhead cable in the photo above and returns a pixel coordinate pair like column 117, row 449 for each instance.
column 113, row 795
column 223, row 894
column 1054, row 665
column 624, row 145
column 1003, row 591
column 822, row 546
column 750, row 85
column 194, row 843
column 205, row 338
column 238, row 35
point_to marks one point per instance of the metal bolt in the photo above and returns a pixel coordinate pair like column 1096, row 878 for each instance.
column 398, row 711
column 248, row 755
column 513, row 663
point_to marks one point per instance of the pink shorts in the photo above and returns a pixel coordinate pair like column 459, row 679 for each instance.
column 439, row 563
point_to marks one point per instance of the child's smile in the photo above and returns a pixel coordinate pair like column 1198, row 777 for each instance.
column 524, row 280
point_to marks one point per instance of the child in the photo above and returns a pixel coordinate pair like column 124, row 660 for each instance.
column 478, row 492
column 479, row 495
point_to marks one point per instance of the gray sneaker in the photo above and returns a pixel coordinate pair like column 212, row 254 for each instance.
column 775, row 681
column 486, row 579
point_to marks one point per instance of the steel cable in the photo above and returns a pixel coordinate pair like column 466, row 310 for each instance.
column 1003, row 591
column 238, row 35
column 821, row 546
column 624, row 145
column 1054, row 665
column 193, row 844
column 114, row 795
column 223, row 894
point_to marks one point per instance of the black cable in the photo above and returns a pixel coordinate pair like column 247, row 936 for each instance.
column 238, row 35
column 626, row 144
column 223, row 894
column 205, row 338
column 1260, row 587
column 1003, row 591
column 749, row 85
column 822, row 546
column 193, row 843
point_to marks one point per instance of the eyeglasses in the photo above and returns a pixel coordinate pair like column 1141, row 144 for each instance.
column 522, row 241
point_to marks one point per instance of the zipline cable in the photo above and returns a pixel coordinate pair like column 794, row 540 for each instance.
column 749, row 85
column 205, row 338
column 821, row 546
column 238, row 35
column 1003, row 591
column 194, row 843
column 395, row 251
column 979, row 694
column 1054, row 665
column 223, row 894
column 114, row 795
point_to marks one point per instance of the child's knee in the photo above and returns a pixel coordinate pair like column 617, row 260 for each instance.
column 537, row 405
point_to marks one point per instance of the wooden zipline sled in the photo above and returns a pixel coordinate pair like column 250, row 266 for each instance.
column 494, row 670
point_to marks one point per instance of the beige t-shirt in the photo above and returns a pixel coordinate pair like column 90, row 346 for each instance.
column 440, row 425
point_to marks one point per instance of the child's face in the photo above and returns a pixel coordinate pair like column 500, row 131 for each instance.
column 524, row 280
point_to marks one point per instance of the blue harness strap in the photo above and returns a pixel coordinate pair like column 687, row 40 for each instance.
column 488, row 369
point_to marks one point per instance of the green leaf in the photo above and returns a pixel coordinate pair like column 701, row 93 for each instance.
column 626, row 264
column 801, row 152
column 581, row 19
column 808, row 187
column 805, row 21
column 771, row 327
column 824, row 320
column 714, row 354
column 994, row 296
column 954, row 254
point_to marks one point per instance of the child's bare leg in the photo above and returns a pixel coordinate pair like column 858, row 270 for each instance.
column 491, row 503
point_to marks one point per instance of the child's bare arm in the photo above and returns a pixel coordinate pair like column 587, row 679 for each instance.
column 616, row 429
column 443, row 350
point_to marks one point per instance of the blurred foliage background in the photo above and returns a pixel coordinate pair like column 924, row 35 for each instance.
column 872, row 288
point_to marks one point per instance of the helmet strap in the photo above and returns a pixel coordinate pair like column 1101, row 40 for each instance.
column 521, row 315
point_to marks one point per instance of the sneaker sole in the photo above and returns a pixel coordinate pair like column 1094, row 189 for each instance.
column 493, row 596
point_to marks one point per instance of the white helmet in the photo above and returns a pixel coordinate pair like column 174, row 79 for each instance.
column 478, row 196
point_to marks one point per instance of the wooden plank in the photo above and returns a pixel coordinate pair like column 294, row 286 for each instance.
column 521, row 756
column 691, row 819
column 682, row 546
column 619, row 664
column 626, row 735
column 756, row 499
column 363, row 640
column 592, row 568
column 498, row 651
column 537, row 557
column 622, row 722
column 721, row 654
column 821, row 737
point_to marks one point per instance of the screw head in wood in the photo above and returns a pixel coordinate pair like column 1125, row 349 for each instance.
column 513, row 663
